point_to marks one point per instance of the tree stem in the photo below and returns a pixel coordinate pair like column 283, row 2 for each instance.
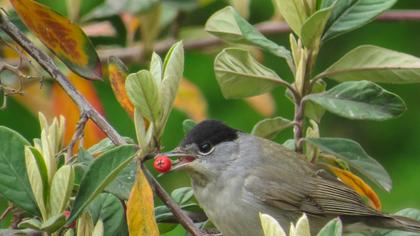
column 6, row 212
column 299, row 125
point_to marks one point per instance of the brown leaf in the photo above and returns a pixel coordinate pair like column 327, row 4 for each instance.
column 140, row 209
column 61, row 36
column 263, row 104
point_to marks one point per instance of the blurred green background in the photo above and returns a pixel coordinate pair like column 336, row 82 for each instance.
column 394, row 143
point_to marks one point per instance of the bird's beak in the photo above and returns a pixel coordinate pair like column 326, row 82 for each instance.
column 184, row 158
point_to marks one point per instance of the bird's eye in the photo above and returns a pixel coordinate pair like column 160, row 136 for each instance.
column 205, row 148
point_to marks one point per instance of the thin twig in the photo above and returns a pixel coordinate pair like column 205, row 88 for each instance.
column 17, row 218
column 80, row 127
column 299, row 125
column 6, row 212
column 4, row 103
column 85, row 107
column 400, row 15
column 197, row 217
column 183, row 219
column 136, row 53
column 49, row 66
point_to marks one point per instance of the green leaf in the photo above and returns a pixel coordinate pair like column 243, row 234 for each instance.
column 69, row 232
column 223, row 25
column 312, row 110
column 228, row 25
column 290, row 144
column 140, row 128
column 100, row 173
column 302, row 227
column 173, row 69
column 108, row 208
column 332, row 228
column 156, row 68
column 122, row 184
column 84, row 224
column 269, row 128
column 293, row 12
column 166, row 227
column 35, row 178
column 83, row 161
column 14, row 182
column 270, row 226
column 375, row 64
column 314, row 26
column 240, row 75
column 31, row 223
column 351, row 152
column 349, row 15
column 361, row 100
column 182, row 195
column 105, row 145
column 187, row 125
column 61, row 188
column 163, row 213
column 410, row 213
column 144, row 94
column 253, row 37
column 42, row 168
column 53, row 223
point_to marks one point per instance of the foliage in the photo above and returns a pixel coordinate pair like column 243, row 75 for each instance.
column 97, row 184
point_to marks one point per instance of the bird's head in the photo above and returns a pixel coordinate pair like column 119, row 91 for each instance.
column 207, row 149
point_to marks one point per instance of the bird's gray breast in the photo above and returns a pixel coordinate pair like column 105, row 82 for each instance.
column 229, row 212
column 232, row 209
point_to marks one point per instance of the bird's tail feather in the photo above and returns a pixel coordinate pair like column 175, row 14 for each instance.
column 407, row 224
column 393, row 222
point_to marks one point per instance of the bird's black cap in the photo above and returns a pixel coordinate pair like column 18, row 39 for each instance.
column 212, row 131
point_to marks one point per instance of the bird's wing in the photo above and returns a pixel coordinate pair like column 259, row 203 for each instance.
column 315, row 196
column 289, row 182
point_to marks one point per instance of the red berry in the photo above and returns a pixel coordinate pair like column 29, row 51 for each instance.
column 162, row 164
column 67, row 215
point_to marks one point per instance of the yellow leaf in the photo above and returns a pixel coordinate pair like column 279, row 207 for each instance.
column 263, row 104
column 56, row 102
column 117, row 75
column 191, row 101
column 358, row 185
column 140, row 209
column 36, row 99
column 85, row 224
column 60, row 35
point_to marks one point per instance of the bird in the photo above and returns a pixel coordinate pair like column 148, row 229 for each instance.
column 236, row 175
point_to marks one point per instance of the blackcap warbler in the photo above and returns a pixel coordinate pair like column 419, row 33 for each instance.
column 235, row 176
